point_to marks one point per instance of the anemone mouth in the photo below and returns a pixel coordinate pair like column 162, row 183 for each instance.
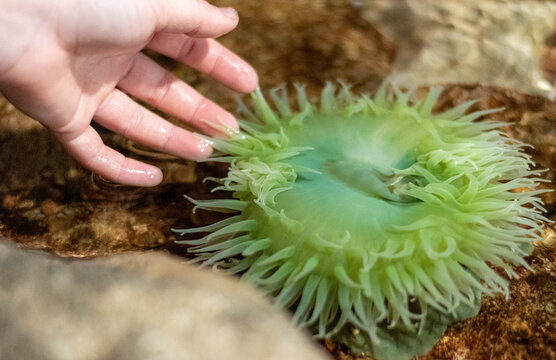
column 370, row 212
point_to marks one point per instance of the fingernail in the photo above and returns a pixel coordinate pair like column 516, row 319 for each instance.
column 230, row 13
column 154, row 177
column 204, row 147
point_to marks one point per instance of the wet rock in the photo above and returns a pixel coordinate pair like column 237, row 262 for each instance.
column 137, row 306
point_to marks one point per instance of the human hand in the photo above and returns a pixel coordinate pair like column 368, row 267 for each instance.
column 69, row 61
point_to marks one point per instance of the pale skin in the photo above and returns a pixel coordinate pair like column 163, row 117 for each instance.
column 67, row 62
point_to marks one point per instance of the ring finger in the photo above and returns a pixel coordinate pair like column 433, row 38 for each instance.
column 119, row 113
column 151, row 83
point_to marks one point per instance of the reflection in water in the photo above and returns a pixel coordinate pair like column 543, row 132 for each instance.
column 145, row 152
column 174, row 169
column 102, row 188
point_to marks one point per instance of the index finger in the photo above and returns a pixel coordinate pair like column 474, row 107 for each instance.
column 209, row 57
column 193, row 17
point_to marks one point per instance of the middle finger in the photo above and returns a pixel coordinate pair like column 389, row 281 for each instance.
column 156, row 86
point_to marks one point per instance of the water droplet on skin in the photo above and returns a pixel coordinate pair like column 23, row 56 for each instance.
column 220, row 126
column 151, row 175
column 204, row 145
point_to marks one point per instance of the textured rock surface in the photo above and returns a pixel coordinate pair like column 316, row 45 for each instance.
column 488, row 42
column 137, row 306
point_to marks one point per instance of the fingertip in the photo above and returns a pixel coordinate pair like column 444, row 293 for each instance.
column 153, row 176
column 229, row 13
column 196, row 18
column 223, row 125
column 247, row 79
column 139, row 174
column 204, row 148
column 253, row 82
column 229, row 121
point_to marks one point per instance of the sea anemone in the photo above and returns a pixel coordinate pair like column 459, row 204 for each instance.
column 370, row 214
